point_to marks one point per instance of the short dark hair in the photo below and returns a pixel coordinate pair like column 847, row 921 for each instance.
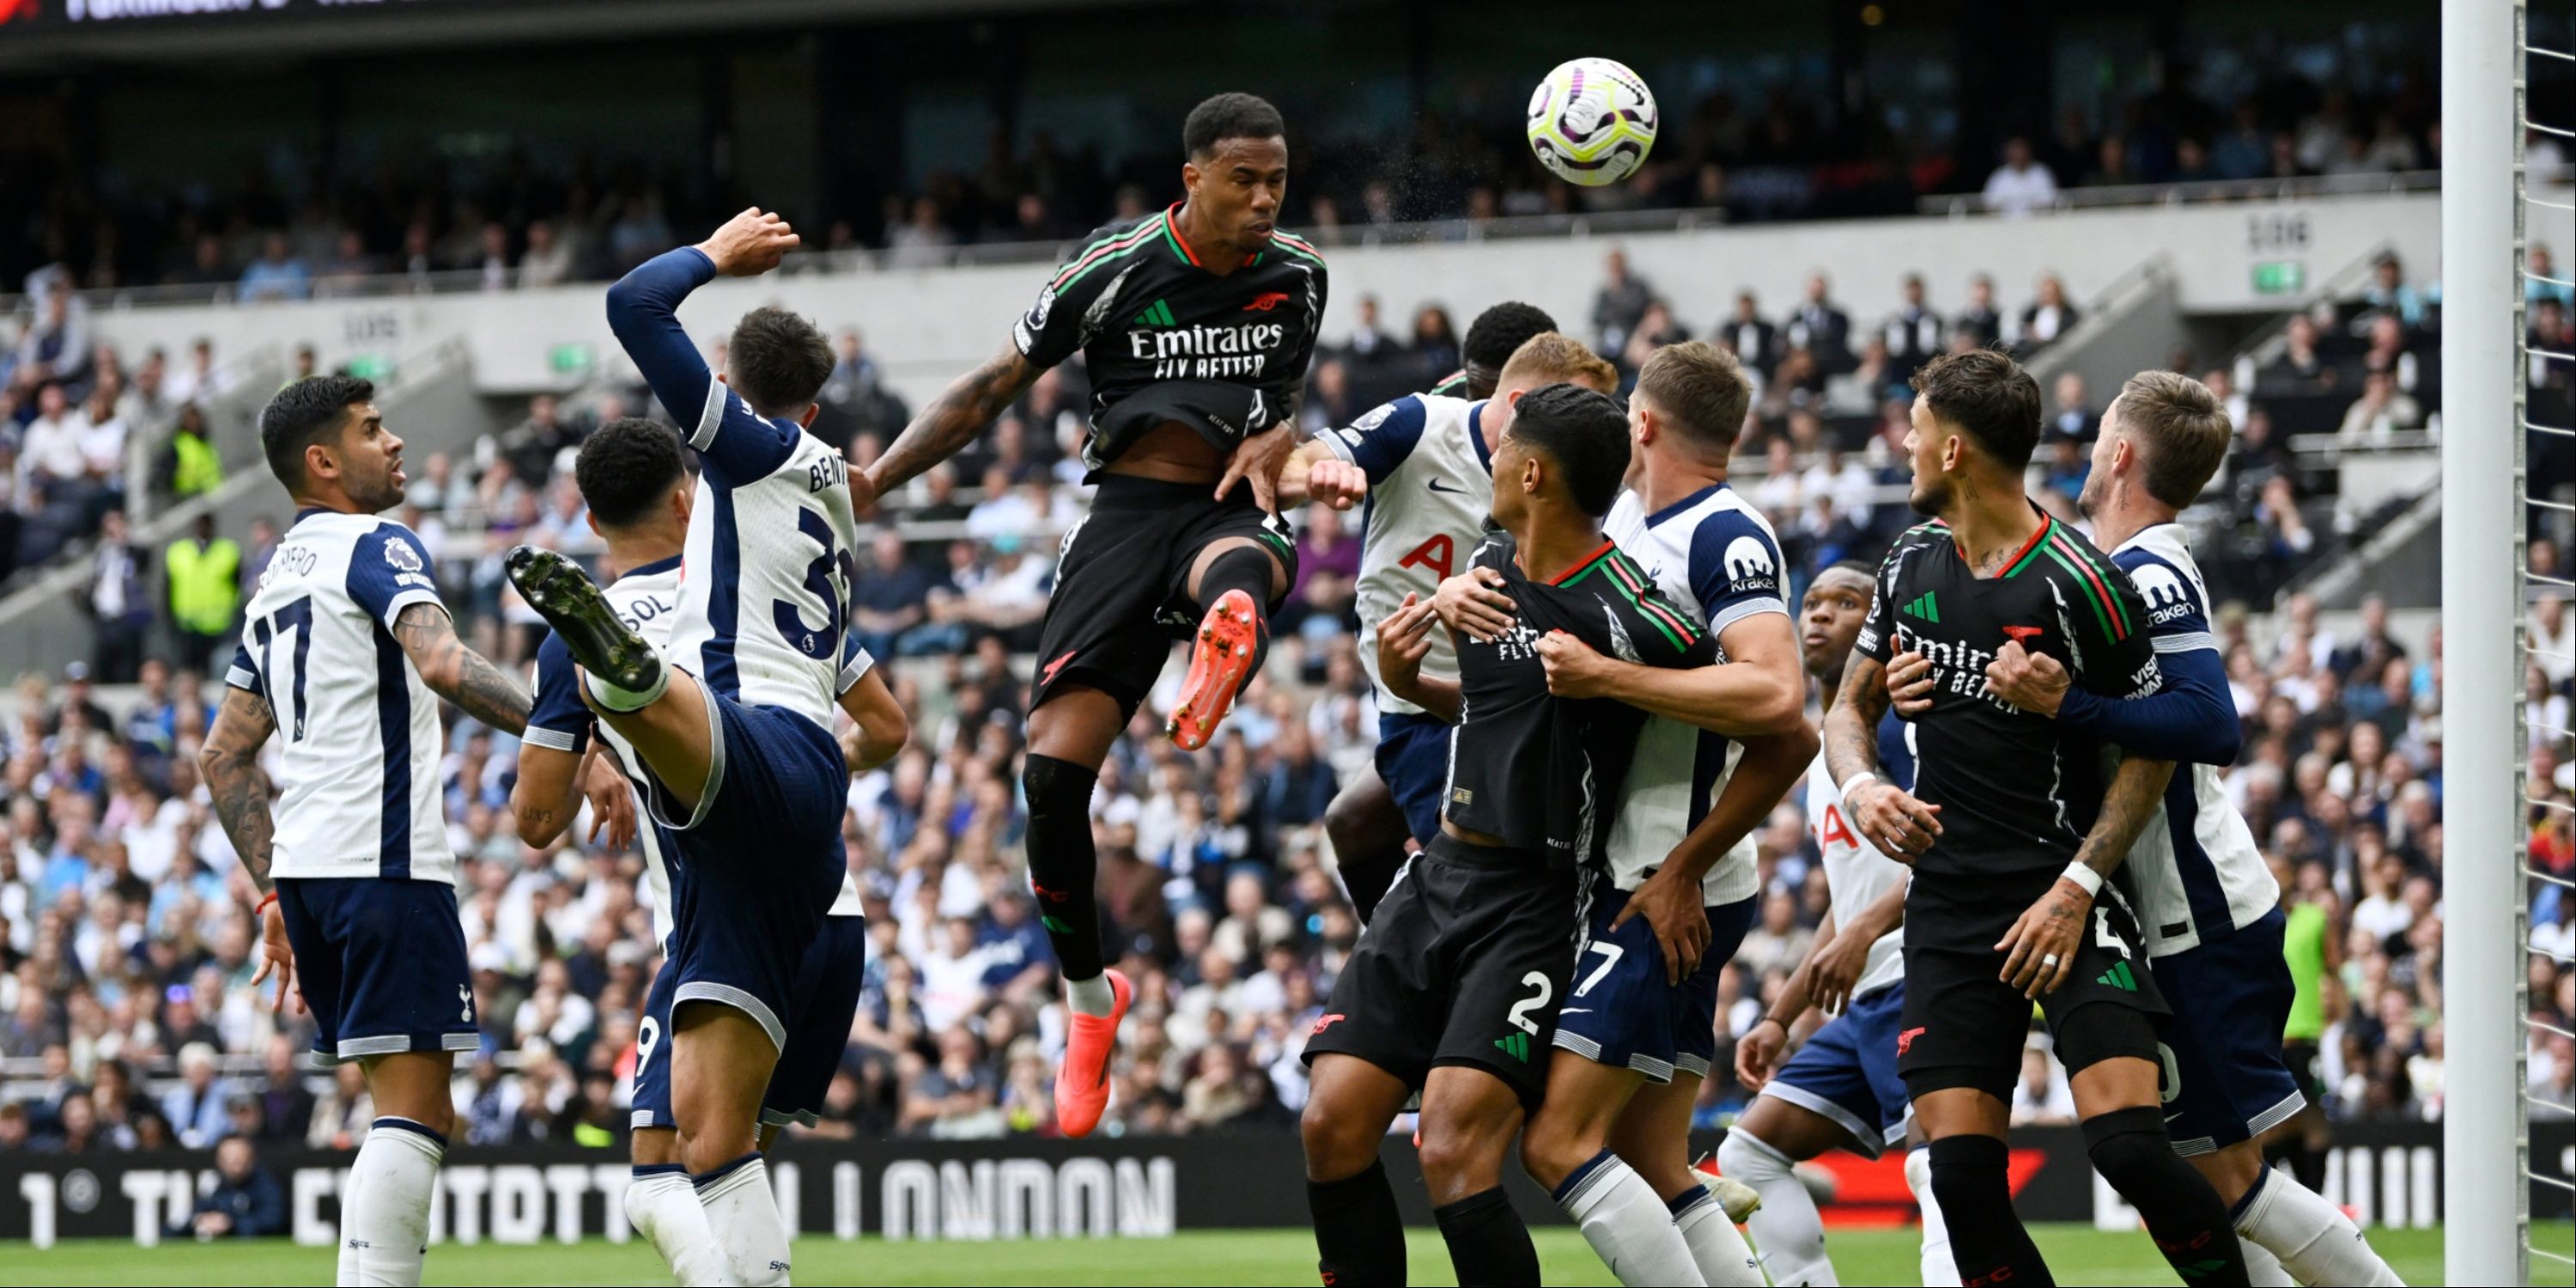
column 301, row 415
column 1865, row 571
column 1584, row 433
column 1229, row 116
column 2182, row 427
column 777, row 361
column 625, row 467
column 1988, row 395
column 1500, row 331
column 1702, row 387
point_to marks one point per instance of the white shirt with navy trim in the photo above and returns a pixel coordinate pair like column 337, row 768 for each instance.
column 1856, row 876
column 1716, row 556
column 2198, row 873
column 358, row 733
column 1431, row 488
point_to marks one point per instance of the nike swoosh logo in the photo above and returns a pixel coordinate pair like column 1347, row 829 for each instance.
column 1455, row 491
column 2171, row 1116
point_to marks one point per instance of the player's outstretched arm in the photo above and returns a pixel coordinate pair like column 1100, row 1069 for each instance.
column 1403, row 640
column 2040, row 948
column 949, row 422
column 2191, row 719
column 878, row 728
column 1760, row 690
column 1757, row 1053
column 457, row 673
column 229, row 764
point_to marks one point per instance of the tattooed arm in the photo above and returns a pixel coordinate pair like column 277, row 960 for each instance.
column 1899, row 825
column 2052, row 927
column 229, row 764
column 949, row 423
column 459, row 674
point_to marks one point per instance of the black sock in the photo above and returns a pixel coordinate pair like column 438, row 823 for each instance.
column 1974, row 1189
column 1359, row 1236
column 2182, row 1210
column 1368, row 877
column 1488, row 1243
column 1063, row 867
column 1248, row 569
column 2307, row 1166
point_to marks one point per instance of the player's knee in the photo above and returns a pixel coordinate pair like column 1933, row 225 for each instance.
column 1743, row 1156
column 2131, row 1151
column 1338, row 1143
column 1058, row 790
column 1463, row 1157
column 1970, row 1176
column 1551, row 1149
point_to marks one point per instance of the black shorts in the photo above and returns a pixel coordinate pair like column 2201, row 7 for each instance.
column 1465, row 962
column 1964, row 1027
column 1122, row 581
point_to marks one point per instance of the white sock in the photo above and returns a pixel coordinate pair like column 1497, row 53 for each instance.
column 347, row 1275
column 617, row 699
column 1090, row 996
column 1724, row 1259
column 396, row 1178
column 664, row 1208
column 2262, row 1269
column 2313, row 1238
column 743, row 1213
column 1787, row 1229
column 1628, row 1227
column 1939, row 1269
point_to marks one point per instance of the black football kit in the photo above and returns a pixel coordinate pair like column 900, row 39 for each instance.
column 1466, row 959
column 1163, row 339
column 2018, row 792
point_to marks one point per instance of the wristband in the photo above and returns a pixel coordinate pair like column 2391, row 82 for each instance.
column 261, row 907
column 1856, row 782
column 2085, row 877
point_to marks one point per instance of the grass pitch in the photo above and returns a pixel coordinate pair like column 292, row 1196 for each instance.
column 2077, row 1253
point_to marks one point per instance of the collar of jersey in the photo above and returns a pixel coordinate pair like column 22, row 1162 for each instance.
column 647, row 570
column 311, row 510
column 1685, row 503
column 1181, row 245
column 2021, row 558
column 1476, row 435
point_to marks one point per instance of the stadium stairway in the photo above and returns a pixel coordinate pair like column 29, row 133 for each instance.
column 431, row 402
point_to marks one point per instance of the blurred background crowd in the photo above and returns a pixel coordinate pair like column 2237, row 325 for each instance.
column 126, row 1015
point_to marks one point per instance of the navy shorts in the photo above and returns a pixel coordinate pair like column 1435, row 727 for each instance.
column 381, row 964
column 1624, row 1014
column 651, row 1105
column 1413, row 762
column 1847, row 1073
column 762, row 860
column 2225, row 1079
column 818, row 1033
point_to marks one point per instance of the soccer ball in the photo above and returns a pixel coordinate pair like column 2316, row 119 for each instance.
column 1592, row 121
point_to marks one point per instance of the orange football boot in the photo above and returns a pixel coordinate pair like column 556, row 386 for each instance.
column 1082, row 1081
column 1219, row 662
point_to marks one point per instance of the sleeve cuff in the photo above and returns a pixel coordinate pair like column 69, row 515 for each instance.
column 1744, row 608
column 1332, row 441
column 407, row 598
column 710, row 418
column 855, row 670
column 2186, row 642
column 552, row 739
column 241, row 679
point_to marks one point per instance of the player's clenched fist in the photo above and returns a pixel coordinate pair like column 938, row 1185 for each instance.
column 2031, row 681
column 1899, row 825
column 1574, row 669
column 1336, row 483
column 749, row 244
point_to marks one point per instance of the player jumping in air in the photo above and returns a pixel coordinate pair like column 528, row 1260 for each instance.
column 1427, row 458
column 1195, row 325
column 345, row 651
column 1842, row 1088
column 634, row 479
column 733, row 727
column 2013, row 829
column 1454, row 990
column 2207, row 902
column 1722, row 745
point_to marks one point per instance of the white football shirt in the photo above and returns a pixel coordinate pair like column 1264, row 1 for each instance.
column 1856, row 875
column 1431, row 488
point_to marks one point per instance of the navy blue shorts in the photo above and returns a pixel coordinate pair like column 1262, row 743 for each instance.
column 1847, row 1073
column 762, row 861
column 818, row 1033
column 651, row 1105
column 1413, row 762
column 1622, row 1013
column 381, row 964
column 2225, row 1078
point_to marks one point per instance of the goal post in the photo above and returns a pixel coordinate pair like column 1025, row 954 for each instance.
column 2485, row 1130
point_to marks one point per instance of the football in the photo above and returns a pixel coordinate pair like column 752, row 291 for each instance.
column 1592, row 121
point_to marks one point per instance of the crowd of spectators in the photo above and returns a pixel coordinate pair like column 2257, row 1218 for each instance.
column 128, row 950
column 529, row 216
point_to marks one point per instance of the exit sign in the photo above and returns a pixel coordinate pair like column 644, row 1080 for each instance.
column 571, row 359
column 2280, row 277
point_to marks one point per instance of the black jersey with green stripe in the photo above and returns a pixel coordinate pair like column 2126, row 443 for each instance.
column 1137, row 301
column 1544, row 772
column 2017, row 791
